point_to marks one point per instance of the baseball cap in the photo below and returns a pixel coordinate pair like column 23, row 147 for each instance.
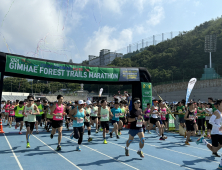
column 81, row 102
column 88, row 102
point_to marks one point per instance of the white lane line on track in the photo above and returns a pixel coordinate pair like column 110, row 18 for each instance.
column 104, row 154
column 19, row 164
column 149, row 155
column 58, row 153
column 180, row 152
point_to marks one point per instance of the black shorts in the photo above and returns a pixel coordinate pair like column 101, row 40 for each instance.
column 146, row 119
column 87, row 124
column 49, row 119
column 30, row 124
column 209, row 126
column 122, row 118
column 153, row 120
column 18, row 119
column 43, row 116
column 39, row 118
column 189, row 125
column 94, row 117
column 76, row 131
column 216, row 139
column 167, row 119
column 105, row 124
column 57, row 123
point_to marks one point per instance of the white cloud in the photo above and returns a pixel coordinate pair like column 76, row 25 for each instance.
column 104, row 39
column 113, row 5
column 156, row 15
column 155, row 2
column 37, row 25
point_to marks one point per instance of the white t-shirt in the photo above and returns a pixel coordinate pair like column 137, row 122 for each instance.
column 209, row 112
column 2, row 110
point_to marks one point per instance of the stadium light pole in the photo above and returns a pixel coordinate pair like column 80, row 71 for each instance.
column 210, row 45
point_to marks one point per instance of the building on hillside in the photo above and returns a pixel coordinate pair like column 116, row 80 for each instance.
column 105, row 57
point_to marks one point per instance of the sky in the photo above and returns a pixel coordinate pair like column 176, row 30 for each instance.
column 73, row 29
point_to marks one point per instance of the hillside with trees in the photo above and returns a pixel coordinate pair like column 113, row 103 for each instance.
column 181, row 58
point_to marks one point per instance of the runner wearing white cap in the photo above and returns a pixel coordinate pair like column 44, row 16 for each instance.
column 87, row 120
column 94, row 116
column 78, row 114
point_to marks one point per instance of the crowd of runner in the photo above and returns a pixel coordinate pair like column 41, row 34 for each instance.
column 103, row 115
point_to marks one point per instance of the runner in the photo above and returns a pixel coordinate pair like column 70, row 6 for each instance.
column 6, row 107
column 190, row 118
column 18, row 116
column 209, row 111
column 39, row 117
column 78, row 114
column 11, row 113
column 29, row 112
column 146, row 114
column 67, row 118
column 49, row 116
column 57, row 111
column 3, row 110
column 201, row 119
column 115, row 119
column 122, row 117
column 44, row 115
column 163, row 112
column 154, row 118
column 136, row 119
column 105, row 113
column 94, row 116
column 87, row 119
column 181, row 110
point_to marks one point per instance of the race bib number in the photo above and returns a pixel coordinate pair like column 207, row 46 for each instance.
column 40, row 110
column 79, row 120
column 163, row 115
column 104, row 116
column 191, row 116
column 88, row 118
column 11, row 112
column 180, row 111
column 20, row 112
column 27, row 112
column 117, row 115
column 58, row 117
column 139, row 123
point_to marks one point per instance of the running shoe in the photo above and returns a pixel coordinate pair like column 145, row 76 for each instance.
column 78, row 148
column 20, row 133
column 28, row 145
column 199, row 140
column 149, row 132
column 71, row 136
column 161, row 138
column 10, row 126
column 111, row 135
column 101, row 129
column 140, row 153
column 104, row 141
column 165, row 137
column 15, row 127
column 59, row 148
column 219, row 167
column 126, row 152
column 215, row 154
column 117, row 137
column 119, row 133
column 187, row 143
column 96, row 131
column 48, row 130
column 51, row 136
column 90, row 139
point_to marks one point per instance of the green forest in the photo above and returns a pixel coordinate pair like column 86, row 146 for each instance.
column 178, row 59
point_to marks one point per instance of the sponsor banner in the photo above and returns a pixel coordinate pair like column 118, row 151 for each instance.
column 32, row 67
column 190, row 88
column 146, row 94
column 129, row 74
